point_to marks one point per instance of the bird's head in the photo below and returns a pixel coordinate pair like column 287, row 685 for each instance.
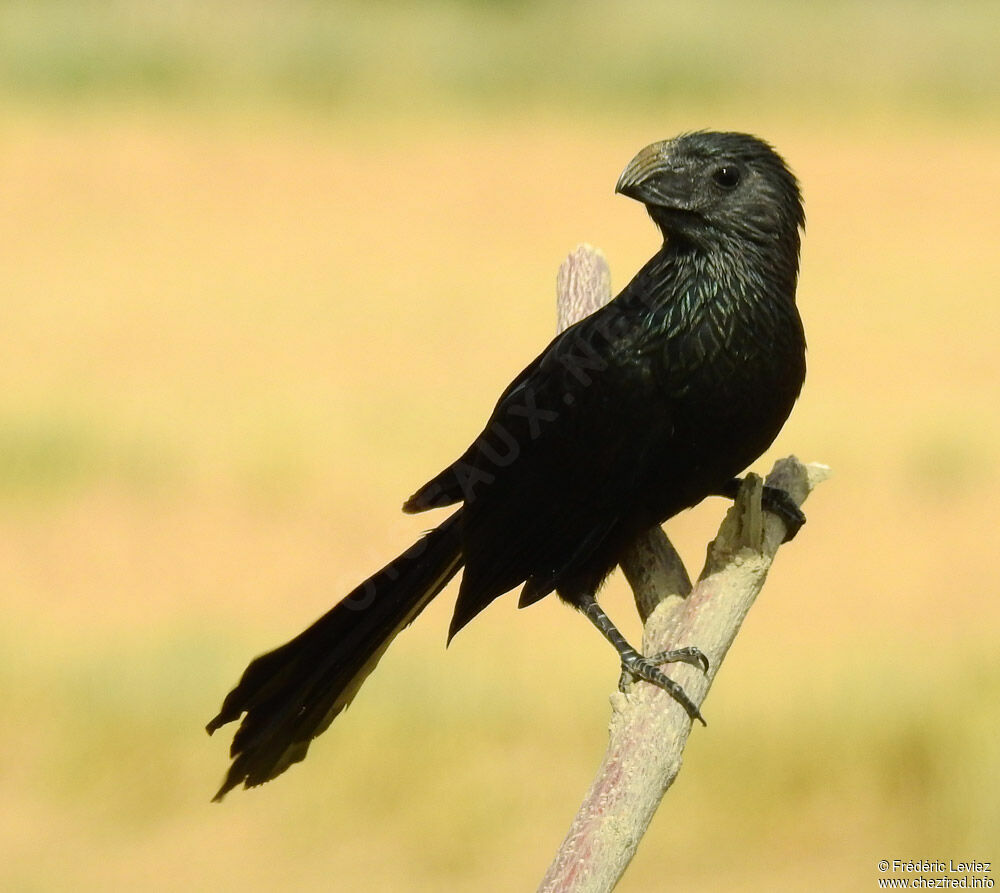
column 705, row 186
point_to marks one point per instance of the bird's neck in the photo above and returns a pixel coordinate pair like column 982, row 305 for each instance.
column 725, row 270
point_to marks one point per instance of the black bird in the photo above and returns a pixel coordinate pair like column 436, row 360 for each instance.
column 638, row 411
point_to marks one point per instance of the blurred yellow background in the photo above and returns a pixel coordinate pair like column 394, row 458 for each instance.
column 266, row 268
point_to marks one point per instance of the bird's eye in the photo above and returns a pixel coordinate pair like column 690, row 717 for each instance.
column 727, row 176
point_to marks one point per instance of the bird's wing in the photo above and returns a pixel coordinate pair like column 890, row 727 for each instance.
column 534, row 506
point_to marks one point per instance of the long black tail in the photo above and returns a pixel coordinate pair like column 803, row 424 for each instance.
column 290, row 695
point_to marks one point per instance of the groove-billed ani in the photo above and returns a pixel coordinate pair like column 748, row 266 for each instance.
column 638, row 411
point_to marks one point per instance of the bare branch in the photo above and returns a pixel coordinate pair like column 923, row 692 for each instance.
column 649, row 729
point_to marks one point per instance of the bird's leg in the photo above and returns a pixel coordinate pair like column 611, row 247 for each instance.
column 635, row 666
column 773, row 500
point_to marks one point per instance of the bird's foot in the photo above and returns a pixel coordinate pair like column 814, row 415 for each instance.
column 774, row 500
column 778, row 502
column 636, row 666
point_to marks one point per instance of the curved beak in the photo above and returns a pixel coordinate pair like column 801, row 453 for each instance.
column 653, row 179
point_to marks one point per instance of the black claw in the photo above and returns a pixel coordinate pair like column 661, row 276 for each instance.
column 624, row 679
column 778, row 502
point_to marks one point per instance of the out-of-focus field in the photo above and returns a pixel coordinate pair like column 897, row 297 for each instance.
column 235, row 342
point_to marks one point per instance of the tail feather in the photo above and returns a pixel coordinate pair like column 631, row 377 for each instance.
column 292, row 694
